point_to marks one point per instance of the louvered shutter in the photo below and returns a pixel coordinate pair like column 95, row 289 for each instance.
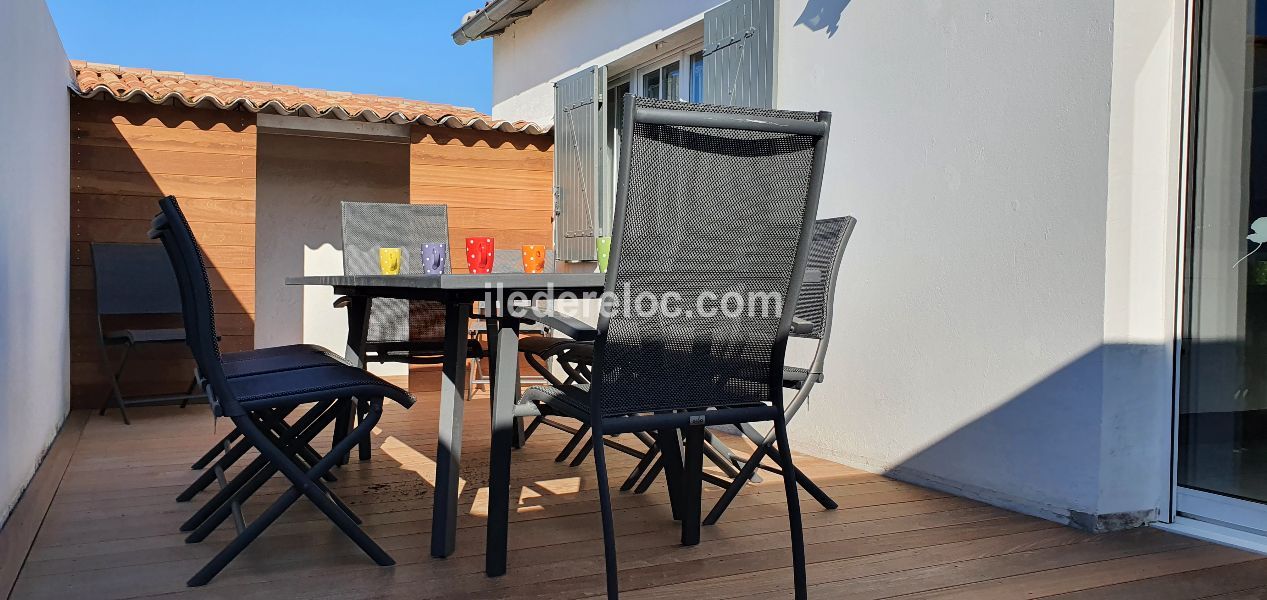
column 739, row 54
column 579, row 120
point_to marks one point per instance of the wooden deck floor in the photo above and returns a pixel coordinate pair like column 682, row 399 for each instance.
column 111, row 532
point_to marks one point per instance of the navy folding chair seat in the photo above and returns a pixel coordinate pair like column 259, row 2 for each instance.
column 257, row 404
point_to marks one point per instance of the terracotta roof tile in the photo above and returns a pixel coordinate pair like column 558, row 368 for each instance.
column 167, row 87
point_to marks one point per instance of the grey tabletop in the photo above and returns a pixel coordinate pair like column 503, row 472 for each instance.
column 405, row 285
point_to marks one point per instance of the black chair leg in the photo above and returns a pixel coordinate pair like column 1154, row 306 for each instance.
column 254, row 475
column 809, row 486
column 793, row 509
column 215, row 451
column 654, row 472
column 692, row 482
column 361, row 414
column 115, row 392
column 585, row 451
column 740, row 480
column 302, row 484
column 189, row 392
column 653, row 452
column 609, row 525
column 532, row 427
column 571, row 445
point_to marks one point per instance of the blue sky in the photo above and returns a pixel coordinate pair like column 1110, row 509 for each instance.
column 398, row 48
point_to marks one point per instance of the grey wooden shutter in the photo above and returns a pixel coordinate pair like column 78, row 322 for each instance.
column 739, row 54
column 579, row 142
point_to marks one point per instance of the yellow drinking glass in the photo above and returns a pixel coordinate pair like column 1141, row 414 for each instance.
column 389, row 261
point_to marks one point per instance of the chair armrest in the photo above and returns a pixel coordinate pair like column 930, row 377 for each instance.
column 342, row 301
column 801, row 327
column 569, row 326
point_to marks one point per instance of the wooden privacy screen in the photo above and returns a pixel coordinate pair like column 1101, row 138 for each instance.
column 125, row 156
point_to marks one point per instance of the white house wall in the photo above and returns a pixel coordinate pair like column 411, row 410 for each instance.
column 1006, row 304
column 34, row 242
column 563, row 36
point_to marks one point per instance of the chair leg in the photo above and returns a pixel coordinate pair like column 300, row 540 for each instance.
column 115, row 392
column 654, row 472
column 585, row 451
column 692, row 482
column 571, row 445
column 252, row 477
column 233, row 454
column 609, row 525
column 809, row 486
column 215, row 451
column 650, row 457
column 793, row 509
column 342, row 423
column 532, row 427
column 302, row 483
column 193, row 385
column 740, row 480
column 363, row 408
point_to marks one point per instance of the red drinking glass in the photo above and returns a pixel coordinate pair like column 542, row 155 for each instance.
column 479, row 255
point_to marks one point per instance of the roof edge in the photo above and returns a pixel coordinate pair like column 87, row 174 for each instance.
column 493, row 19
column 204, row 99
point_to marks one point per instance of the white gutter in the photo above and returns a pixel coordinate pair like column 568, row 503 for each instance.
column 496, row 16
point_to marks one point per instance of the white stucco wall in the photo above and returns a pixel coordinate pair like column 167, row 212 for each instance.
column 34, row 242
column 563, row 36
column 1007, row 303
column 301, row 182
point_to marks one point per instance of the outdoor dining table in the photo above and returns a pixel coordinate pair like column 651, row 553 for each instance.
column 458, row 292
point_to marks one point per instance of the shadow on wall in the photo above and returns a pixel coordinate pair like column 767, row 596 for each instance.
column 1088, row 445
column 124, row 158
column 822, row 14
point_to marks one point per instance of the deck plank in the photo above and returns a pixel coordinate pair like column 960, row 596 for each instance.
column 110, row 532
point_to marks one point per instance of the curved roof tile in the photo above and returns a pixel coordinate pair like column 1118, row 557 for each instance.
column 168, row 87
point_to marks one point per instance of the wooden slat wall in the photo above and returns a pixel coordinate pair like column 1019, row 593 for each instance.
column 496, row 184
column 124, row 157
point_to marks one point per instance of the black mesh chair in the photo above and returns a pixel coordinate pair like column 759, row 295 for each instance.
column 813, row 313
column 134, row 281
column 408, row 331
column 253, row 403
column 711, row 201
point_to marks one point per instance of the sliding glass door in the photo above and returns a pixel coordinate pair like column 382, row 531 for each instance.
column 1222, row 451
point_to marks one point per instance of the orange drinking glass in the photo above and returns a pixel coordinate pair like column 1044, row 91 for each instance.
column 534, row 258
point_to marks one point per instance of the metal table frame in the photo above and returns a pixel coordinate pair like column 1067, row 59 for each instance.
column 458, row 292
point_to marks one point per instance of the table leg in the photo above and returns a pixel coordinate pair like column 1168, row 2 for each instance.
column 354, row 353
column 505, row 389
column 671, row 457
column 449, row 451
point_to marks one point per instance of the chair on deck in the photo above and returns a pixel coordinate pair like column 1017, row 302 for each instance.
column 254, row 403
column 135, row 281
column 398, row 331
column 710, row 201
column 238, row 364
column 813, row 307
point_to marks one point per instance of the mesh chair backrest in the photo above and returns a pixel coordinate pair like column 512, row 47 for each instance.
column 512, row 261
column 186, row 258
column 818, row 287
column 369, row 226
column 706, row 211
column 134, row 279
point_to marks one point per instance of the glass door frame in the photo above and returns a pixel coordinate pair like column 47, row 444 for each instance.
column 1214, row 517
